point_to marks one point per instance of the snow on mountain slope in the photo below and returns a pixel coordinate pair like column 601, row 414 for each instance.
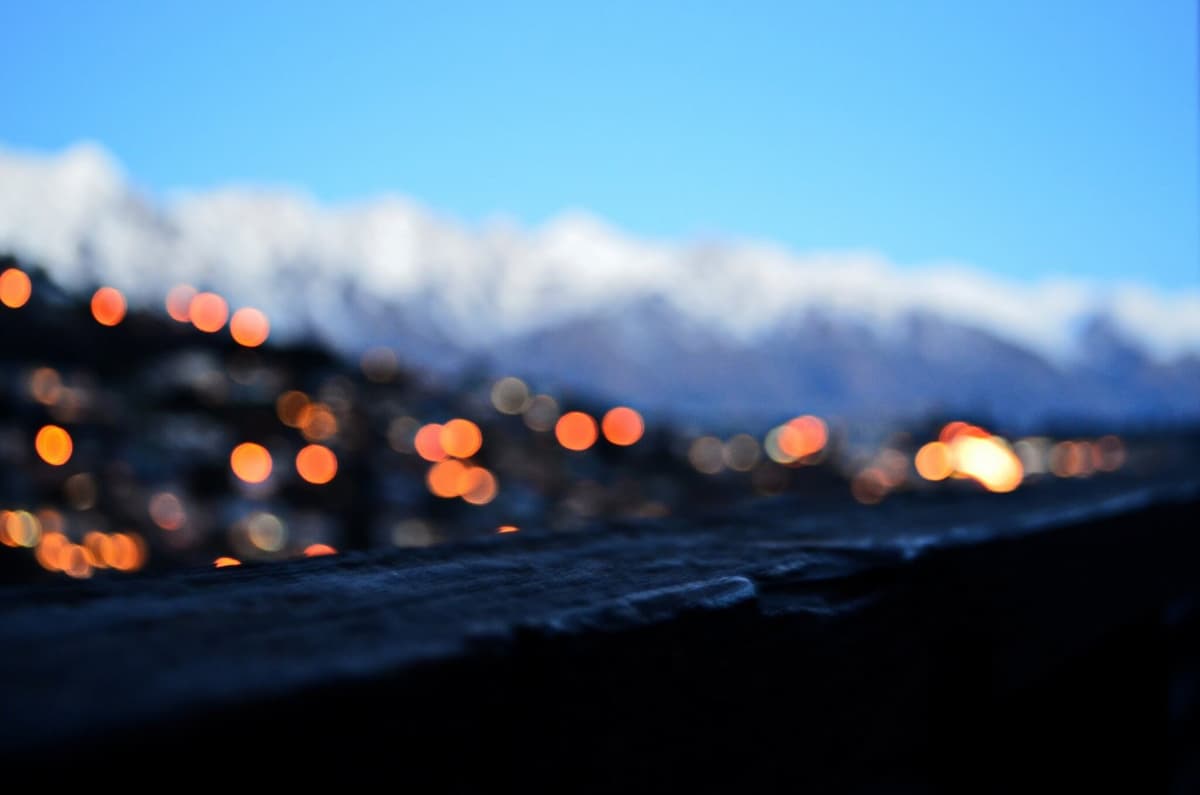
column 738, row 326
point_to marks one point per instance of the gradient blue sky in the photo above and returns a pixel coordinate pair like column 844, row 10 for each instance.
column 1029, row 138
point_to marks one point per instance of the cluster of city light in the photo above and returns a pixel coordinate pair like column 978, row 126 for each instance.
column 43, row 532
column 451, row 449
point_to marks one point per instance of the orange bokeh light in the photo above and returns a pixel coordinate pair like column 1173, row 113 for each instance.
column 460, row 438
column 208, row 312
column 54, row 445
column 290, row 408
column 447, row 478
column 507, row 528
column 249, row 327
column 317, row 422
column 225, row 561
column 316, row 464
column 250, row 462
column 127, row 552
column 934, row 461
column 479, row 486
column 801, row 437
column 622, row 426
column 179, row 301
column 576, row 430
column 15, row 288
column 988, row 460
column 317, row 550
column 428, row 442
column 108, row 306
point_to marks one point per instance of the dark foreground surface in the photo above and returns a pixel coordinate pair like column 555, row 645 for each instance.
column 964, row 643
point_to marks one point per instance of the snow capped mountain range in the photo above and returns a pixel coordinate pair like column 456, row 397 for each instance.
column 733, row 329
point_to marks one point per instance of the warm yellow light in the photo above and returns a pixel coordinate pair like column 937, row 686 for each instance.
column 479, row 487
column 622, row 426
column 249, row 327
column 316, row 464
column 934, row 461
column 179, row 301
column 575, row 430
column 15, row 288
column 447, row 478
column 250, row 462
column 460, row 438
column 225, row 561
column 990, row 461
column 208, row 312
column 507, row 528
column 54, row 445
column 428, row 444
column 108, row 306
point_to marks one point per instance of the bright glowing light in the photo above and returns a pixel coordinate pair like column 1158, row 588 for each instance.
column 541, row 414
column 957, row 428
column 622, row 426
column 45, row 386
column 934, row 461
column 317, row 422
column 166, row 511
column 990, row 461
column 510, row 396
column 249, row 327
column 707, row 455
column 507, row 528
column 460, row 438
column 179, row 302
column 317, row 464
column 802, row 436
column 250, row 462
column 290, row 406
column 428, row 444
column 740, row 453
column 98, row 546
column 50, row 549
column 22, row 528
column 479, row 486
column 75, row 561
column 54, row 445
column 576, row 431
column 126, row 551
column 108, row 306
column 224, row 561
column 266, row 531
column 380, row 365
column 447, row 478
column 15, row 288
column 208, row 312
column 318, row 550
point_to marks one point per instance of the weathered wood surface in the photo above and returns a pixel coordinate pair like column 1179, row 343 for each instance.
column 887, row 646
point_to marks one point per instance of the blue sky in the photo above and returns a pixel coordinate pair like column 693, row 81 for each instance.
column 1029, row 138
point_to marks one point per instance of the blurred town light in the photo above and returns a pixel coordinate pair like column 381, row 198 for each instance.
column 249, row 327
column 208, row 312
column 460, row 438
column 622, row 426
column 179, row 301
column 428, row 442
column 108, row 306
column 576, row 431
column 54, row 445
column 250, row 462
column 15, row 288
column 510, row 396
column 316, row 464
column 934, row 461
